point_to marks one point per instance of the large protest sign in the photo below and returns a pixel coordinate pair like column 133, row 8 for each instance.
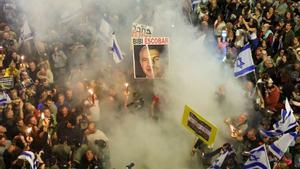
column 199, row 126
column 140, row 30
column 6, row 83
column 150, row 57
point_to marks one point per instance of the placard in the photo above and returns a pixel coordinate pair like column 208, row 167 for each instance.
column 199, row 126
column 150, row 57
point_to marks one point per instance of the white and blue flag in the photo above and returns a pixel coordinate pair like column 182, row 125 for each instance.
column 30, row 157
column 26, row 33
column 116, row 50
column 217, row 164
column 4, row 98
column 244, row 62
column 195, row 4
column 280, row 146
column 287, row 122
column 258, row 159
column 288, row 107
column 272, row 133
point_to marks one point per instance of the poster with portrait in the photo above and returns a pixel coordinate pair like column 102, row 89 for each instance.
column 140, row 30
column 150, row 57
column 199, row 126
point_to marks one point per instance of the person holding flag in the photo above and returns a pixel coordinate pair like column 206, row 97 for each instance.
column 258, row 158
column 226, row 160
column 281, row 146
column 244, row 62
column 286, row 123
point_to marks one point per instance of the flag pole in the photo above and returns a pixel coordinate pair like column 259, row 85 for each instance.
column 194, row 142
column 150, row 61
column 261, row 99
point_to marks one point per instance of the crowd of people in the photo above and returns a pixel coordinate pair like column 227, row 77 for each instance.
column 49, row 115
column 271, row 27
column 50, row 110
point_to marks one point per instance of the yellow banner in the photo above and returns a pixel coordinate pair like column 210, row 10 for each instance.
column 200, row 127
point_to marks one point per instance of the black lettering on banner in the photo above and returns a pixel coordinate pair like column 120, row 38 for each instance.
column 148, row 32
column 200, row 128
column 6, row 83
column 137, row 41
column 143, row 31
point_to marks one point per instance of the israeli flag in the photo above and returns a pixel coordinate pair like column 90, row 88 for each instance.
column 116, row 50
column 258, row 159
column 288, row 107
column 30, row 157
column 4, row 98
column 244, row 62
column 287, row 122
column 272, row 133
column 195, row 3
column 25, row 33
column 280, row 146
column 217, row 164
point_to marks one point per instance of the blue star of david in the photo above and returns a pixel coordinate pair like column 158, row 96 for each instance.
column 239, row 63
column 253, row 158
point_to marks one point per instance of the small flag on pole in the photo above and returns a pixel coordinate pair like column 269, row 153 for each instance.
column 244, row 62
column 116, row 50
column 258, row 159
column 25, row 33
column 280, row 146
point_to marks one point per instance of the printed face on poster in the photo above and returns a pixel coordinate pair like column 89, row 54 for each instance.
column 150, row 57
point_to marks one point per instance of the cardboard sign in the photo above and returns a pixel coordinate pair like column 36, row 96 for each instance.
column 199, row 126
column 150, row 57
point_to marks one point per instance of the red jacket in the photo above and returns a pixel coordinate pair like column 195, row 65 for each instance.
column 272, row 99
